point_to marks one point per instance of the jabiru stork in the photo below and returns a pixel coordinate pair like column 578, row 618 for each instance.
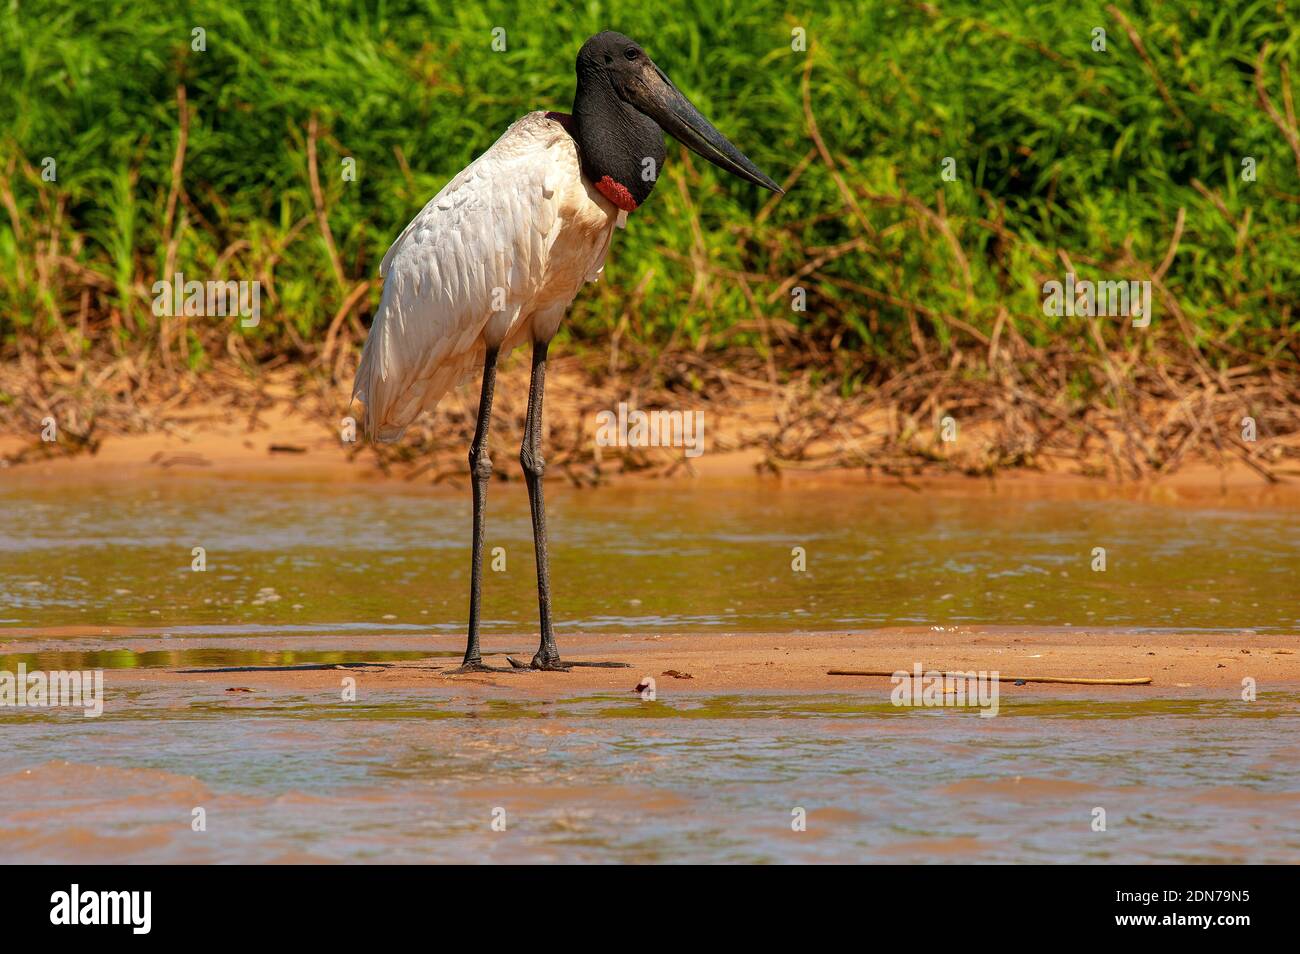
column 496, row 258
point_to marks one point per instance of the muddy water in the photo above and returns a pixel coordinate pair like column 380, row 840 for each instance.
column 99, row 577
column 404, row 776
column 303, row 560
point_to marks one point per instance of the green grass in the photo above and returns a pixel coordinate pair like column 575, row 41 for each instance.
column 1058, row 150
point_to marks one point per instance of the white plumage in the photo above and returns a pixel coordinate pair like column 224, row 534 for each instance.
column 494, row 259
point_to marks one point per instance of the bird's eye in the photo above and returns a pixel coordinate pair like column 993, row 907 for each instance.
column 630, row 53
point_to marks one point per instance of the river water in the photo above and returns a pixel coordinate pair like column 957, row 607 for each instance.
column 99, row 575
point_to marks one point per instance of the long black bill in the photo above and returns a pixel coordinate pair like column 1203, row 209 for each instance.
column 677, row 116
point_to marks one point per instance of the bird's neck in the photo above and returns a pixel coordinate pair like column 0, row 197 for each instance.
column 621, row 149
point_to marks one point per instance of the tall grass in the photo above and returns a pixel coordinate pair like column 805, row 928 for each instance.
column 1065, row 157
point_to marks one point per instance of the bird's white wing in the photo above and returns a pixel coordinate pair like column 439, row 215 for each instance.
column 475, row 253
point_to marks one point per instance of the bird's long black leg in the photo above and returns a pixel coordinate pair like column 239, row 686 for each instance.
column 530, row 457
column 480, row 470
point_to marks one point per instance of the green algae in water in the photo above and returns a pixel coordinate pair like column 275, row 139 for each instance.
column 399, row 705
column 186, row 658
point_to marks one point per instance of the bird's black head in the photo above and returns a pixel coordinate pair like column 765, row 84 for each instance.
column 623, row 106
column 609, row 51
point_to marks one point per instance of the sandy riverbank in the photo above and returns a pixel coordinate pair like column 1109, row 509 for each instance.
column 288, row 446
column 799, row 663
column 286, row 430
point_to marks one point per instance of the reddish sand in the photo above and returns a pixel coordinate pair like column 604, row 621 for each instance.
column 737, row 663
column 286, row 443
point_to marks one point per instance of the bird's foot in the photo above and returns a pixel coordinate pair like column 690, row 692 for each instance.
column 556, row 664
column 477, row 665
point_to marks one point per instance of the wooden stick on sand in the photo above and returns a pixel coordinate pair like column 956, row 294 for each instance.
column 1072, row 680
